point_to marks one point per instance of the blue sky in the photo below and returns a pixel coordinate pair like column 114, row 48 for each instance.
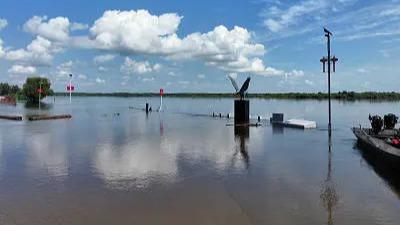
column 183, row 46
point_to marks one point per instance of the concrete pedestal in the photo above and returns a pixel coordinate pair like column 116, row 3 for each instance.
column 242, row 112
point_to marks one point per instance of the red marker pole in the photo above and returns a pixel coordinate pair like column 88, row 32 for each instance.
column 70, row 88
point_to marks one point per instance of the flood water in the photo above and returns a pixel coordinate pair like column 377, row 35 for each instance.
column 111, row 164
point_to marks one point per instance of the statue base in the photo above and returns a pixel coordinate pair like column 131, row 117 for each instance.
column 242, row 112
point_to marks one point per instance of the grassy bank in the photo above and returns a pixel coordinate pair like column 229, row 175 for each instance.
column 343, row 95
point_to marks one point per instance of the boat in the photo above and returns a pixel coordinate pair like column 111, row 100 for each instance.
column 7, row 100
column 378, row 143
column 384, row 142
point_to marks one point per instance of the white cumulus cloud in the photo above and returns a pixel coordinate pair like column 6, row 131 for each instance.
column 134, row 31
column 362, row 70
column 2, row 52
column 64, row 70
column 104, row 58
column 3, row 23
column 201, row 76
column 100, row 81
column 131, row 66
column 79, row 26
column 56, row 29
column 20, row 69
column 39, row 52
column 309, row 82
column 82, row 77
column 139, row 32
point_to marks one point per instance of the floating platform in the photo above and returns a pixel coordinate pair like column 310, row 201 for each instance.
column 277, row 119
column 11, row 117
column 47, row 117
column 298, row 123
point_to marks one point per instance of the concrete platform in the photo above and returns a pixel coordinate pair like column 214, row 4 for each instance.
column 296, row 123
column 299, row 123
column 277, row 119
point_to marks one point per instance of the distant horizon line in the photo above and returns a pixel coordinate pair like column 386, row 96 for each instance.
column 225, row 93
column 341, row 95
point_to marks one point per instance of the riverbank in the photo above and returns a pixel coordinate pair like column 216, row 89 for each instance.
column 343, row 95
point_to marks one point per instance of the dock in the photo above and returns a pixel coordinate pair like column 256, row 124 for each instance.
column 277, row 120
column 298, row 123
column 11, row 117
column 48, row 117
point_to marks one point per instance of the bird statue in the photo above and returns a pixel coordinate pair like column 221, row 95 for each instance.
column 242, row 91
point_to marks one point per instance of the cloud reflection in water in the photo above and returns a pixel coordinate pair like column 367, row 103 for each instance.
column 160, row 158
column 47, row 155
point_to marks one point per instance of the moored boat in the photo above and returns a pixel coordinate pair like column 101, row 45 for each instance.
column 382, row 139
column 379, row 143
column 7, row 100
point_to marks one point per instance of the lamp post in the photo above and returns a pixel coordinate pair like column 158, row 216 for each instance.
column 328, row 59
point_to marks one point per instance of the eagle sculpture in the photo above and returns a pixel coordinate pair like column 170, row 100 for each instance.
column 242, row 91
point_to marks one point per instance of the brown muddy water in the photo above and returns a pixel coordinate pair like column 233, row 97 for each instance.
column 177, row 167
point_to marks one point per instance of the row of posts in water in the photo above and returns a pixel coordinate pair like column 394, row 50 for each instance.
column 228, row 116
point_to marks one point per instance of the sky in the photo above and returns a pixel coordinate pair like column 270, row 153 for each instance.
column 191, row 46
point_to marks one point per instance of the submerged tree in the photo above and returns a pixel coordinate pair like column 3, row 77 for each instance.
column 36, row 87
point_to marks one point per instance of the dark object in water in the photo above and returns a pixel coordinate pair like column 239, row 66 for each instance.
column 242, row 111
column 276, row 118
column 46, row 117
column 390, row 121
column 7, row 117
column 376, row 123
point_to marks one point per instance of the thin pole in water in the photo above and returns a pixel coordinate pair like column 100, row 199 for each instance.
column 328, row 59
column 329, row 82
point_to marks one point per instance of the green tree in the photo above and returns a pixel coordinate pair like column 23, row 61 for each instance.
column 31, row 89
column 14, row 89
column 4, row 89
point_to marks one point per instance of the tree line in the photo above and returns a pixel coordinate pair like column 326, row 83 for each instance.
column 341, row 95
column 33, row 88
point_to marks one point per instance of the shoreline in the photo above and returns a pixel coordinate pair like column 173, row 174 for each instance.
column 344, row 95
